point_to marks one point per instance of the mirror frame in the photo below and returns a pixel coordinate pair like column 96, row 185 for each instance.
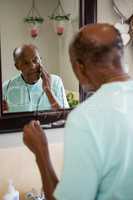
column 14, row 122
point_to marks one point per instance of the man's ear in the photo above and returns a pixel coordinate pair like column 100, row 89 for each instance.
column 81, row 73
column 17, row 65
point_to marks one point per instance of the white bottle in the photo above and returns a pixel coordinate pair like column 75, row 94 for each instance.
column 12, row 194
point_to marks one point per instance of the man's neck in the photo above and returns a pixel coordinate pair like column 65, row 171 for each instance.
column 111, row 77
column 118, row 77
column 27, row 82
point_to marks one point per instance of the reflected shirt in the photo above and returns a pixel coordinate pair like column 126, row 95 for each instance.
column 21, row 96
column 98, row 147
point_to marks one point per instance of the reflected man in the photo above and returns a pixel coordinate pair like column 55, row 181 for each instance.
column 34, row 88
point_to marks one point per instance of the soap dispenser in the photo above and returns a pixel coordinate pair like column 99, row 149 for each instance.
column 12, row 194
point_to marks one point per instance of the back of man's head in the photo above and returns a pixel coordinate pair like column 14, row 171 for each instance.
column 98, row 44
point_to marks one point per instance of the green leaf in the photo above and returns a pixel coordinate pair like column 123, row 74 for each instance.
column 60, row 17
column 34, row 20
column 71, row 100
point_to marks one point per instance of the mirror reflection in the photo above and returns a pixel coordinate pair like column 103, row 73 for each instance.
column 36, row 72
column 33, row 88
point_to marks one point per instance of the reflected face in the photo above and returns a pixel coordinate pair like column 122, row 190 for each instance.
column 29, row 63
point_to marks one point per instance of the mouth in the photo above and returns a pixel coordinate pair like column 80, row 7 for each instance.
column 35, row 73
column 34, row 76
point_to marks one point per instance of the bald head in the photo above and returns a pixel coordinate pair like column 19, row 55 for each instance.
column 28, row 62
column 21, row 52
column 101, row 34
column 96, row 55
column 98, row 43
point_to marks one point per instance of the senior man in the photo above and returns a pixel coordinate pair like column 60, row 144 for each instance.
column 98, row 148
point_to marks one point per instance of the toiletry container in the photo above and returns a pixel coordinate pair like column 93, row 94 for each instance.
column 12, row 194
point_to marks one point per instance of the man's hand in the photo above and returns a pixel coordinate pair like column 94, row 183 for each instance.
column 46, row 84
column 5, row 107
column 36, row 141
column 34, row 137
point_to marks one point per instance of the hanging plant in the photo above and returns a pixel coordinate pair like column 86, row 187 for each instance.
column 59, row 17
column 34, row 20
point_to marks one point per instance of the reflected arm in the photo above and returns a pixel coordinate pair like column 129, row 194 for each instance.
column 51, row 98
column 5, row 107
column 46, row 85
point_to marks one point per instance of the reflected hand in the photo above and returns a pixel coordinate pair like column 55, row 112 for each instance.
column 34, row 137
column 46, row 85
column 46, row 78
column 5, row 106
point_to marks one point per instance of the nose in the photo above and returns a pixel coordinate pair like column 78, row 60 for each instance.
column 33, row 65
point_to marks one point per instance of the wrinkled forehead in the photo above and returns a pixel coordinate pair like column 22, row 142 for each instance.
column 26, row 53
column 29, row 53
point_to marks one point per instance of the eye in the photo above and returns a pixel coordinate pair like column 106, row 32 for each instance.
column 25, row 63
column 36, row 60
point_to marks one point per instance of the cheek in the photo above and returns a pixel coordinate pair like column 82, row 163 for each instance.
column 25, row 72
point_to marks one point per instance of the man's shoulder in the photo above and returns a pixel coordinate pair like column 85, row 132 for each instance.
column 56, row 81
column 92, row 106
column 98, row 107
column 89, row 103
column 80, row 112
column 55, row 77
column 13, row 80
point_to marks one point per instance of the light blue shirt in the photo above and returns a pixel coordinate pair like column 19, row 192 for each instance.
column 21, row 96
column 98, row 149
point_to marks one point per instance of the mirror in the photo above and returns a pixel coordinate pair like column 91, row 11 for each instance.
column 21, row 93
column 14, row 121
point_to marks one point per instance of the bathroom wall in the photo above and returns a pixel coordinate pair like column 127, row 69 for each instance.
column 106, row 13
column 18, row 163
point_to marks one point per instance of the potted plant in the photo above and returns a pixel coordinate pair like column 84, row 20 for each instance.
column 72, row 101
column 34, row 22
column 59, row 17
column 59, row 23
column 33, row 19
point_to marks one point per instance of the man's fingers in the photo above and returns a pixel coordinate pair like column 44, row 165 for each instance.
column 37, row 126
column 26, row 127
column 28, row 130
column 38, row 122
column 45, row 74
column 32, row 127
column 33, row 136
column 41, row 132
